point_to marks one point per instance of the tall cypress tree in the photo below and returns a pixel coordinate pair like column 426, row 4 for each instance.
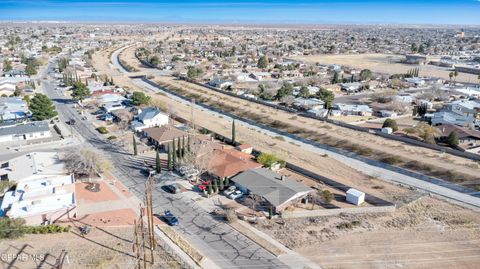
column 220, row 184
column 174, row 152
column 233, row 133
column 188, row 144
column 183, row 146
column 179, row 148
column 135, row 150
column 158, row 164
column 215, row 186
column 169, row 160
column 210, row 190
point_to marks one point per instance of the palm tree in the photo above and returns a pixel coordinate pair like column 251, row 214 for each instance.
column 450, row 76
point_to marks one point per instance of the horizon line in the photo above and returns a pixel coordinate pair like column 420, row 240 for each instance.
column 241, row 23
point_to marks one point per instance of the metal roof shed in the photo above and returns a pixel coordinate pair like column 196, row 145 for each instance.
column 355, row 197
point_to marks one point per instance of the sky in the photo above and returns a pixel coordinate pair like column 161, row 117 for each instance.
column 460, row 12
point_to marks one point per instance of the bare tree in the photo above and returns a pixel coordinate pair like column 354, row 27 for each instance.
column 400, row 107
column 85, row 162
column 124, row 120
column 288, row 100
column 198, row 154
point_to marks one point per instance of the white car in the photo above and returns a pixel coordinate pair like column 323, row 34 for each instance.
column 235, row 195
column 229, row 190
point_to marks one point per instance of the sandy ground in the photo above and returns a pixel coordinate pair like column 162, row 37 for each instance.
column 384, row 63
column 102, row 248
column 427, row 233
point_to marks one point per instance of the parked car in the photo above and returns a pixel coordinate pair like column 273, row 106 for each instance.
column 229, row 190
column 235, row 195
column 106, row 117
column 71, row 122
column 170, row 218
column 172, row 188
column 148, row 172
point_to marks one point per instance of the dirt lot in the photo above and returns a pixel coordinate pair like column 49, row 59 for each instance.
column 102, row 248
column 427, row 233
column 384, row 63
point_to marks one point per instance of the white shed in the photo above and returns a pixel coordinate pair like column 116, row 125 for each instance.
column 355, row 197
column 387, row 130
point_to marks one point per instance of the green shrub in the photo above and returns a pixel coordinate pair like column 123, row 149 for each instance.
column 270, row 159
column 11, row 228
column 102, row 130
column 44, row 229
column 327, row 196
column 391, row 160
column 112, row 137
column 348, row 225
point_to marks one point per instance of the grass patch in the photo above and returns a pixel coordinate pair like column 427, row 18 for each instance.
column 392, row 160
column 348, row 225
column 102, row 130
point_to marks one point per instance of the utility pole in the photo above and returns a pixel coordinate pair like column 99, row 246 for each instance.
column 136, row 247
column 192, row 119
column 149, row 211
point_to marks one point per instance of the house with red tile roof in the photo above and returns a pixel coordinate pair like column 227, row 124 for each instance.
column 226, row 163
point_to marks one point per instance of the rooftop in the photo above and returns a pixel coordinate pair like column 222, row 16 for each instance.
column 229, row 162
column 33, row 165
column 270, row 185
column 21, row 129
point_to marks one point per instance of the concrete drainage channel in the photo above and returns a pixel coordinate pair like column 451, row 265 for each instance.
column 453, row 192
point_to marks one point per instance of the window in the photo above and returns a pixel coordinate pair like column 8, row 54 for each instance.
column 4, row 177
column 4, row 165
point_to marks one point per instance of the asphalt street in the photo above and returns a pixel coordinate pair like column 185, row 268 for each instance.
column 223, row 245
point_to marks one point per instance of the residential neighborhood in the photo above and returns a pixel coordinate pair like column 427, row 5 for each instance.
column 173, row 143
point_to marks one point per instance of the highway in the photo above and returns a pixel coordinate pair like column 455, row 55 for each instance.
column 220, row 243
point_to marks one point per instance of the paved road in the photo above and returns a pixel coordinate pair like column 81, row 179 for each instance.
column 218, row 241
